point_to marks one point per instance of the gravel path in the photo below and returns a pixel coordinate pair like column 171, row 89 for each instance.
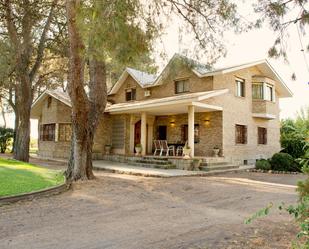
column 122, row 211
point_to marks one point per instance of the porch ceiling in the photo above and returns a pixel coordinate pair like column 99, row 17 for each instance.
column 169, row 105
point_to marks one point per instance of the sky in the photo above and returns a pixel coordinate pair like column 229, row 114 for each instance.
column 242, row 48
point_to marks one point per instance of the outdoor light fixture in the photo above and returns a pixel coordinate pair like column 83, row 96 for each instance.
column 207, row 121
column 172, row 123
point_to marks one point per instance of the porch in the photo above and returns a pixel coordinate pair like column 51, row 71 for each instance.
column 178, row 120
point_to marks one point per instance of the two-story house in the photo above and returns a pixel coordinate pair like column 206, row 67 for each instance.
column 235, row 109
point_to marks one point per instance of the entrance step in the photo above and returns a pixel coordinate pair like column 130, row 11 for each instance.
column 220, row 167
column 150, row 162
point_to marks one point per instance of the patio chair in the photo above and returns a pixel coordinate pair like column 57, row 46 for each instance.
column 179, row 151
column 157, row 146
column 166, row 148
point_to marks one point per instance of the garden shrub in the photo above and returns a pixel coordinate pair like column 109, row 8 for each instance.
column 6, row 136
column 262, row 164
column 283, row 162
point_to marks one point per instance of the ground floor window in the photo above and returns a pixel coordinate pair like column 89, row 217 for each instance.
column 184, row 133
column 240, row 134
column 262, row 135
column 47, row 132
column 65, row 132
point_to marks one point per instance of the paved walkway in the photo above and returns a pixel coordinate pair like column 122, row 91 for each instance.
column 123, row 168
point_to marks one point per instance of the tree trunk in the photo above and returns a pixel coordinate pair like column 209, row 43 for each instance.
column 85, row 109
column 15, row 128
column 23, row 108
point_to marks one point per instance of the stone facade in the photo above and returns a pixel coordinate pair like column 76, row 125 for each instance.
column 216, row 128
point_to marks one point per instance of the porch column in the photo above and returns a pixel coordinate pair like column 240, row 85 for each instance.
column 132, row 128
column 144, row 132
column 191, row 128
column 150, row 121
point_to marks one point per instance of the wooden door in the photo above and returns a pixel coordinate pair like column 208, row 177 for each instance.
column 137, row 133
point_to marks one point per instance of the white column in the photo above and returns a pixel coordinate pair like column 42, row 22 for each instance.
column 191, row 128
column 144, row 132
column 150, row 121
column 132, row 130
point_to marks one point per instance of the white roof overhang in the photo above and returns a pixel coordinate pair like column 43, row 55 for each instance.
column 169, row 105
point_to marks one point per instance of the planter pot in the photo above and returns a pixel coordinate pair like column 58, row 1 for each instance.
column 108, row 149
column 216, row 152
column 138, row 150
column 196, row 165
column 186, row 153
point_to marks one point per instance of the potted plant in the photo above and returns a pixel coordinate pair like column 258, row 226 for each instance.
column 186, row 151
column 108, row 148
column 196, row 164
column 138, row 149
column 216, row 151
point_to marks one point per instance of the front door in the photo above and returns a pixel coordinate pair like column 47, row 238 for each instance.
column 162, row 132
column 137, row 133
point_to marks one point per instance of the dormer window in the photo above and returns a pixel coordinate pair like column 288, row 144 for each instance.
column 181, row 86
column 131, row 94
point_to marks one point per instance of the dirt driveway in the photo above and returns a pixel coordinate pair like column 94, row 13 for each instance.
column 121, row 211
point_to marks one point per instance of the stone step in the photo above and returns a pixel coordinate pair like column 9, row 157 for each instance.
column 143, row 160
column 219, row 167
column 205, row 164
column 153, row 165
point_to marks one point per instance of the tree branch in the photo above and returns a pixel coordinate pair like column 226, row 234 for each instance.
column 41, row 45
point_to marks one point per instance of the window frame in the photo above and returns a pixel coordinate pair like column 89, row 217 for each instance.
column 242, row 92
column 260, row 84
column 184, row 82
column 271, row 95
column 48, row 132
column 130, row 92
column 66, row 138
column 262, row 136
column 241, row 134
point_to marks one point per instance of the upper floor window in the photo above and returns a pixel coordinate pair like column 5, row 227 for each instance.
column 130, row 94
column 47, row 132
column 181, row 86
column 263, row 91
column 257, row 91
column 262, row 135
column 240, row 134
column 269, row 92
column 240, row 87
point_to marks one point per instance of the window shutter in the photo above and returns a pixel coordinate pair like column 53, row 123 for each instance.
column 265, row 136
column 245, row 134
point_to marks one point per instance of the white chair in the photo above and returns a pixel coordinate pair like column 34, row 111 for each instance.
column 166, row 148
column 157, row 146
column 179, row 151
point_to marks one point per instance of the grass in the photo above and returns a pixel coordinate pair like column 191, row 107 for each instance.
column 18, row 177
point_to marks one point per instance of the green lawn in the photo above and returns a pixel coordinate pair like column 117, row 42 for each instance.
column 19, row 177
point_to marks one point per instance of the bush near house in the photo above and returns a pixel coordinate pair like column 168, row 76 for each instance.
column 6, row 138
column 283, row 162
column 263, row 164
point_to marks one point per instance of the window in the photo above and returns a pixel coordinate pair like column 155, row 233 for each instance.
column 262, row 135
column 257, row 91
column 241, row 134
column 184, row 133
column 181, row 86
column 65, row 132
column 269, row 93
column 49, row 101
column 130, row 94
column 47, row 132
column 118, row 133
column 240, row 87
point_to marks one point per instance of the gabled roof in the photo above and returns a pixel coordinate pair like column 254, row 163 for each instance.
column 57, row 94
column 146, row 80
column 142, row 78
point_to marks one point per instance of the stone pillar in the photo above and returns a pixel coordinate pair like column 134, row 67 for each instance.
column 144, row 132
column 132, row 130
column 191, row 129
